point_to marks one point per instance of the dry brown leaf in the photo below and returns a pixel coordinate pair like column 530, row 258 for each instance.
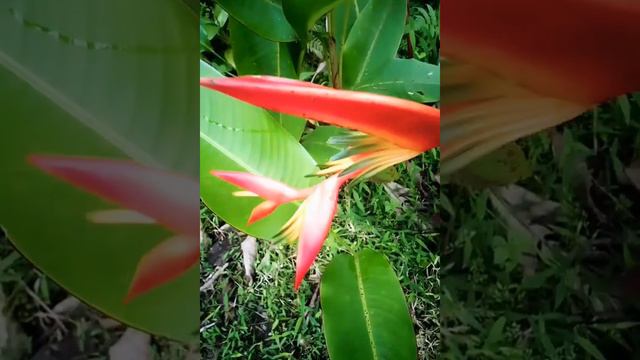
column 208, row 283
column 526, row 213
column 397, row 192
column 249, row 251
column 132, row 345
column 66, row 306
column 527, row 206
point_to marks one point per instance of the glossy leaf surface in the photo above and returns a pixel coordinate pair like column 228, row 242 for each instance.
column 373, row 40
column 303, row 14
column 255, row 55
column 265, row 17
column 405, row 78
column 364, row 312
column 342, row 19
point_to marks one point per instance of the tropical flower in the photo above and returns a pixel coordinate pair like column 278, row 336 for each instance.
column 502, row 80
column 388, row 131
column 147, row 196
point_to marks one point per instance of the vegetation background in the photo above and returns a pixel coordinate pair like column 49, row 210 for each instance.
column 546, row 268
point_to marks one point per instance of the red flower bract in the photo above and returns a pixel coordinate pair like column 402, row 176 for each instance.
column 395, row 130
column 407, row 124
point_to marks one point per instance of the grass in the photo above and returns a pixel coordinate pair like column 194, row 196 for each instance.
column 558, row 286
column 266, row 319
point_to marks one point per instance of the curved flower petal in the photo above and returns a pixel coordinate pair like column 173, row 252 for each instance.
column 320, row 209
column 259, row 185
column 405, row 123
column 164, row 263
column 263, row 210
column 168, row 198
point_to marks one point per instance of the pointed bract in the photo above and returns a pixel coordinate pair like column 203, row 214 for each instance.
column 165, row 262
column 262, row 186
column 320, row 209
column 405, row 123
column 263, row 210
column 171, row 199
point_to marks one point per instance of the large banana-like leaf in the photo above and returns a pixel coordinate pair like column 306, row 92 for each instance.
column 405, row 78
column 342, row 19
column 239, row 137
column 373, row 41
column 96, row 81
column 368, row 55
column 364, row 313
column 303, row 14
column 255, row 55
column 265, row 17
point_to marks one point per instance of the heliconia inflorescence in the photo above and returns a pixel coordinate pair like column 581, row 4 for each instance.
column 389, row 131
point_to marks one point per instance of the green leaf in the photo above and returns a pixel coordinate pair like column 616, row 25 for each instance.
column 373, row 40
column 364, row 312
column 409, row 79
column 316, row 142
column 625, row 108
column 264, row 17
column 235, row 136
column 504, row 166
column 342, row 19
column 204, row 37
column 543, row 337
column 101, row 90
column 255, row 55
column 368, row 60
column 386, row 176
column 496, row 331
column 303, row 14
column 589, row 348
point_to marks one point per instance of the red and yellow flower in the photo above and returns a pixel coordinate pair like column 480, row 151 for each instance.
column 387, row 131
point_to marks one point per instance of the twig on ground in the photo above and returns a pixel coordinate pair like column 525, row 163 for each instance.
column 208, row 284
column 49, row 313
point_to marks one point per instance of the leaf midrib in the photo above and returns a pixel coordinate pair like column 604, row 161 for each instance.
column 229, row 154
column 363, row 301
column 77, row 112
column 370, row 51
